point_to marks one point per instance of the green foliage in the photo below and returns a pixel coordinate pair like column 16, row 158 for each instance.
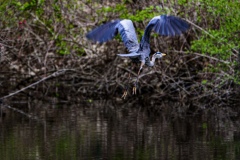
column 219, row 33
column 146, row 14
column 48, row 14
column 32, row 5
column 204, row 125
column 223, row 19
column 204, row 81
column 182, row 2
column 63, row 47
column 123, row 12
column 7, row 14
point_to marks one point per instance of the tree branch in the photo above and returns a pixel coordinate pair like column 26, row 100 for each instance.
column 55, row 74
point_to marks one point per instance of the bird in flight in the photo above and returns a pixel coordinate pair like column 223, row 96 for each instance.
column 164, row 25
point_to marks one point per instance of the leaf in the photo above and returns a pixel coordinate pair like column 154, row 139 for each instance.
column 204, row 81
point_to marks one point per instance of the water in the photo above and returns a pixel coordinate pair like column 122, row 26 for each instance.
column 106, row 131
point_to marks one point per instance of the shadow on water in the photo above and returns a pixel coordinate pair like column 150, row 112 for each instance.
column 104, row 130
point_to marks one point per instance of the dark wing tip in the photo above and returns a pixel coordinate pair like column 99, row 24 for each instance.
column 170, row 26
column 180, row 24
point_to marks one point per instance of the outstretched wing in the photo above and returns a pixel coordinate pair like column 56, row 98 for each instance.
column 128, row 34
column 104, row 32
column 165, row 26
column 109, row 30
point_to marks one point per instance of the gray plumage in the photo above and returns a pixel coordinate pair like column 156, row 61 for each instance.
column 139, row 52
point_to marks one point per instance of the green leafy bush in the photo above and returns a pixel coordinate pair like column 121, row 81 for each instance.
column 222, row 18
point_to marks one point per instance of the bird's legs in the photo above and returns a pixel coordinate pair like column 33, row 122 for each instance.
column 126, row 88
column 136, row 82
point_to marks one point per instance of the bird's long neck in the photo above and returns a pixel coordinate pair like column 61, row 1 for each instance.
column 152, row 62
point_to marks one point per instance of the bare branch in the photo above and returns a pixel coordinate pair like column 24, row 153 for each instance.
column 55, row 74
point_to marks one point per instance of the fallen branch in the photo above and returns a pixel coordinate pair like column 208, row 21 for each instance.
column 22, row 112
column 55, row 74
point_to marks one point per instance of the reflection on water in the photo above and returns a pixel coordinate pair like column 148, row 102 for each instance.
column 105, row 131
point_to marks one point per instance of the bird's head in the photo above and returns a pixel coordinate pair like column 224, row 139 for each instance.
column 158, row 55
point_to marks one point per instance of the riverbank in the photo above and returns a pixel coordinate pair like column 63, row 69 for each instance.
column 44, row 53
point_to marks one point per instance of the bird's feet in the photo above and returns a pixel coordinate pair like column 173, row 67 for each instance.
column 134, row 92
column 125, row 94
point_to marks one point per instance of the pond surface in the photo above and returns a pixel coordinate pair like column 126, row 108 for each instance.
column 104, row 131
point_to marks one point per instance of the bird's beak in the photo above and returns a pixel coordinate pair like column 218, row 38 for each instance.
column 163, row 54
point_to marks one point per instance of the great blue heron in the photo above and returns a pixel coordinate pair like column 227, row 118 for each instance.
column 164, row 25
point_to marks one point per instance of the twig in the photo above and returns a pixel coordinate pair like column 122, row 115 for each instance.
column 55, row 74
column 36, row 17
column 21, row 112
column 204, row 55
column 126, row 69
